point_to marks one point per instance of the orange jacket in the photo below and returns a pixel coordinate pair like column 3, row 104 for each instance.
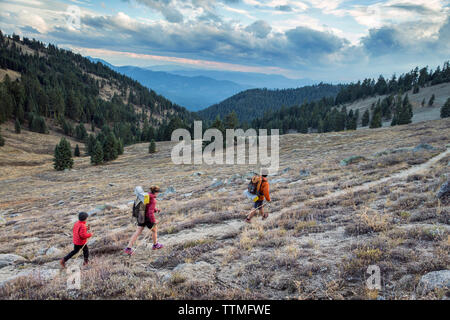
column 264, row 190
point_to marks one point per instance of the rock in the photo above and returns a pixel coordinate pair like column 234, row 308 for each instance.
column 423, row 146
column 10, row 273
column 30, row 240
column 111, row 184
column 285, row 170
column 304, row 173
column 352, row 160
column 170, row 190
column 52, row 251
column 281, row 180
column 434, row 280
column 444, row 191
column 187, row 195
column 222, row 190
column 200, row 271
column 216, row 183
column 60, row 202
column 8, row 259
column 197, row 174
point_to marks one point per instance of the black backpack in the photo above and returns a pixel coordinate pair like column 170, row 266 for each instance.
column 254, row 186
column 139, row 211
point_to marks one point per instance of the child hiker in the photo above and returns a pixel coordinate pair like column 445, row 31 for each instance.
column 150, row 222
column 80, row 237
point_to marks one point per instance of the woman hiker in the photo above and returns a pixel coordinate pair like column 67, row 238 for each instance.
column 150, row 222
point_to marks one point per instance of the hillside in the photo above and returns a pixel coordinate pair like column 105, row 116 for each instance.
column 328, row 222
column 66, row 88
column 253, row 103
column 421, row 113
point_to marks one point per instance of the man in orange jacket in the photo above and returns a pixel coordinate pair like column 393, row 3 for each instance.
column 263, row 193
column 80, row 236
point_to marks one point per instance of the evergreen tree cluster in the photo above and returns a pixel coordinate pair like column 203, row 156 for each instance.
column 414, row 79
column 104, row 147
column 60, row 85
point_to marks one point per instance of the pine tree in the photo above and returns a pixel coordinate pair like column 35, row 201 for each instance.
column 77, row 151
column 17, row 126
column 366, row 118
column 2, row 140
column 110, row 148
column 431, row 101
column 63, row 156
column 152, row 147
column 445, row 109
column 97, row 154
column 90, row 144
column 376, row 120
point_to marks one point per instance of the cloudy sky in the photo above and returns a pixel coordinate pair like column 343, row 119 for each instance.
column 329, row 40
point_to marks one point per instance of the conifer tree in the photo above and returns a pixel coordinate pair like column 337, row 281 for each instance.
column 17, row 126
column 365, row 118
column 431, row 101
column 445, row 109
column 97, row 154
column 63, row 155
column 77, row 151
column 152, row 147
column 2, row 140
column 110, row 147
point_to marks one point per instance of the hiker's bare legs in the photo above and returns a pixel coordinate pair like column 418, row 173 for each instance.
column 135, row 236
column 155, row 234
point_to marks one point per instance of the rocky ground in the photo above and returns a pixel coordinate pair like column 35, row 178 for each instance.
column 341, row 202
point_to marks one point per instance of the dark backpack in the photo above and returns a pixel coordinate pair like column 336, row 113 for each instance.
column 139, row 211
column 254, row 185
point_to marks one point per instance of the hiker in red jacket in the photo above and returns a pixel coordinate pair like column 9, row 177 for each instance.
column 80, row 236
column 150, row 222
column 263, row 193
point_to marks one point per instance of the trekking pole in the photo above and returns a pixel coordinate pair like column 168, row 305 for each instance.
column 254, row 209
column 79, row 252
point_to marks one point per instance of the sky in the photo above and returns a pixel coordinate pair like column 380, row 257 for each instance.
column 322, row 40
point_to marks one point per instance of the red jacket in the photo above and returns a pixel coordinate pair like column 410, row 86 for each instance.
column 151, row 208
column 80, row 234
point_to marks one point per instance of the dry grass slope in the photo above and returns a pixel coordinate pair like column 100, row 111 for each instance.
column 325, row 226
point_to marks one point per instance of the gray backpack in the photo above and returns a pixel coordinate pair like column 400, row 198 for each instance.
column 139, row 211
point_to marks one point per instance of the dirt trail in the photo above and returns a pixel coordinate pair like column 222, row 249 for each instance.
column 233, row 226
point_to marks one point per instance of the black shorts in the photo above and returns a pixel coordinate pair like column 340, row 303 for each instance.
column 258, row 204
column 147, row 224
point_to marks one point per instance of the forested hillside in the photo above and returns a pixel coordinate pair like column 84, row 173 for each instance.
column 251, row 104
column 330, row 114
column 68, row 90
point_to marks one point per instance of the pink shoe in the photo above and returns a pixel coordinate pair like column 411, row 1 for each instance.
column 157, row 246
column 128, row 251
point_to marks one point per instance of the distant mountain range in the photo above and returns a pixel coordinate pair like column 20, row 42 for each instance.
column 197, row 89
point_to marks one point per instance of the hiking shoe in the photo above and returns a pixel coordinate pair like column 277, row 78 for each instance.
column 128, row 251
column 85, row 263
column 62, row 263
column 157, row 246
column 248, row 220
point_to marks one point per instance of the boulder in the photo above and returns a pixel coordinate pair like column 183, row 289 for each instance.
column 352, row 160
column 52, row 251
column 304, row 173
column 444, row 191
column 216, row 183
column 434, row 280
column 423, row 146
column 280, row 180
column 197, row 174
column 9, row 259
